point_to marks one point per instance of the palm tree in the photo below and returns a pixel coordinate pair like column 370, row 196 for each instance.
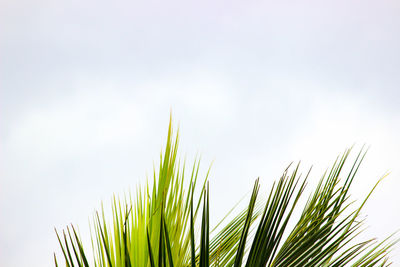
column 157, row 227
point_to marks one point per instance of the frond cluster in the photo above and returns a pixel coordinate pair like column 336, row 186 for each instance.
column 158, row 226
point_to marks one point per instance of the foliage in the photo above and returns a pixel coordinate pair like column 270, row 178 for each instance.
column 158, row 227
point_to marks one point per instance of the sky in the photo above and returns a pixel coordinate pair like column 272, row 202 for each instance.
column 86, row 89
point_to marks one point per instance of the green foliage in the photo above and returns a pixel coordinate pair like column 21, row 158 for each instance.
column 158, row 227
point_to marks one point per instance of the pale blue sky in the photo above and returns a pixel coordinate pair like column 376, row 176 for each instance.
column 87, row 86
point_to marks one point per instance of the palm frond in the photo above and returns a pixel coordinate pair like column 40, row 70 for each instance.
column 158, row 226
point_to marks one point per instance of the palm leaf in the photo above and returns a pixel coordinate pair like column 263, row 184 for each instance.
column 158, row 226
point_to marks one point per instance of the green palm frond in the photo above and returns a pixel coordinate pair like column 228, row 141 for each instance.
column 158, row 226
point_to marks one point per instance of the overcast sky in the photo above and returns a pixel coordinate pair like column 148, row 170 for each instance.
column 87, row 87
